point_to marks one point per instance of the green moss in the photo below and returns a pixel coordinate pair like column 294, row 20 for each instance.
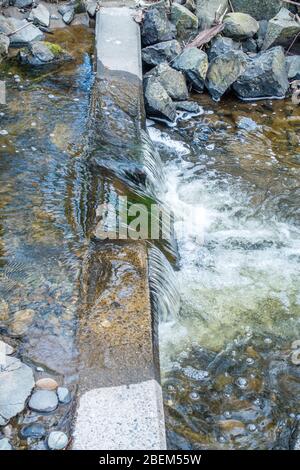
column 54, row 48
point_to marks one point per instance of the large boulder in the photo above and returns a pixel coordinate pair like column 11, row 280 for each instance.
column 259, row 9
column 184, row 20
column 281, row 29
column 222, row 45
column 240, row 26
column 23, row 36
column 156, row 27
column 194, row 64
column 41, row 53
column 40, row 15
column 16, row 383
column 223, row 71
column 162, row 52
column 173, row 81
column 206, row 11
column 293, row 67
column 4, row 45
column 157, row 101
column 265, row 76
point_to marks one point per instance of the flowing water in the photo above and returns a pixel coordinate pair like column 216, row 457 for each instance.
column 43, row 187
column 230, row 373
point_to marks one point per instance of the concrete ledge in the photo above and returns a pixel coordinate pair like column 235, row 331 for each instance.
column 120, row 405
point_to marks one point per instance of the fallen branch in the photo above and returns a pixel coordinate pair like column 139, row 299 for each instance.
column 206, row 36
column 292, row 2
column 19, row 29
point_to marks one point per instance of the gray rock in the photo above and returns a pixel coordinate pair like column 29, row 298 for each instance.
column 162, row 52
column 194, row 64
column 157, row 101
column 5, row 444
column 64, row 395
column 247, row 124
column 4, row 45
column 190, row 5
column 68, row 16
column 91, row 6
column 57, row 440
column 259, row 9
column 43, row 401
column 40, row 15
column 6, row 348
column 293, row 67
column 240, row 26
column 156, row 27
column 33, row 431
column 206, row 11
column 16, row 383
column 23, row 3
column 62, row 9
column 250, row 46
column 281, row 29
column 22, row 37
column 188, row 106
column 222, row 45
column 172, row 80
column 184, row 20
column 265, row 76
column 82, row 19
column 223, row 72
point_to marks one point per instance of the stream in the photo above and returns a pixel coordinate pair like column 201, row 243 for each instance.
column 230, row 355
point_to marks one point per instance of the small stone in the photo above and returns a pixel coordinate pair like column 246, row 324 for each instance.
column 57, row 440
column 43, row 401
column 251, row 427
column 250, row 361
column 194, row 396
column 184, row 20
column 242, row 382
column 3, row 132
column 246, row 124
column 3, row 310
column 64, row 395
column 46, row 383
column 189, row 107
column 40, row 15
column 68, row 17
column 21, row 321
column 39, row 369
column 33, row 431
column 5, row 444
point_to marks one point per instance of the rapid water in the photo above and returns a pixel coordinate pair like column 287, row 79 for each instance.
column 233, row 184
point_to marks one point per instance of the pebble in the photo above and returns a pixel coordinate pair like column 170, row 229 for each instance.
column 43, row 401
column 242, row 382
column 36, row 431
column 51, row 97
column 251, row 427
column 64, row 396
column 249, row 360
column 3, row 132
column 57, row 440
column 39, row 369
column 5, row 444
column 46, row 383
column 194, row 396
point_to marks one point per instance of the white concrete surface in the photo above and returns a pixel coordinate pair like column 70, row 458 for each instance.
column 127, row 417
column 118, row 44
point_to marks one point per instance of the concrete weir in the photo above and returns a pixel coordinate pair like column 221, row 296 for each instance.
column 120, row 404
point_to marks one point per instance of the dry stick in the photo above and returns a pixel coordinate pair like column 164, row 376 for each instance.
column 230, row 4
column 292, row 43
column 292, row 3
column 19, row 29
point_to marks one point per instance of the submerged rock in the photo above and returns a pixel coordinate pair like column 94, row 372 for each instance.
column 162, row 52
column 21, row 321
column 281, row 29
column 43, row 401
column 46, row 383
column 157, row 101
column 35, row 431
column 259, row 9
column 16, row 383
column 64, row 395
column 265, row 76
column 57, row 440
column 156, row 27
column 222, row 45
column 4, row 45
column 240, row 26
column 223, row 71
column 184, row 20
column 293, row 67
column 172, row 80
column 43, row 53
column 194, row 65
column 188, row 106
column 22, row 36
column 40, row 15
column 206, row 11
column 5, row 444
column 4, row 310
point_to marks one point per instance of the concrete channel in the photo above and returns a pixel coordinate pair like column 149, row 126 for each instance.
column 120, row 404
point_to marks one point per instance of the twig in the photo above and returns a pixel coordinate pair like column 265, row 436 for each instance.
column 292, row 2
column 19, row 29
column 292, row 43
column 230, row 4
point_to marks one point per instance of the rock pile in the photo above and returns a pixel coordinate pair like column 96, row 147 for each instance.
column 246, row 57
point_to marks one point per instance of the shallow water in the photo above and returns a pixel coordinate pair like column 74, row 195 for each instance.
column 43, row 186
column 233, row 184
